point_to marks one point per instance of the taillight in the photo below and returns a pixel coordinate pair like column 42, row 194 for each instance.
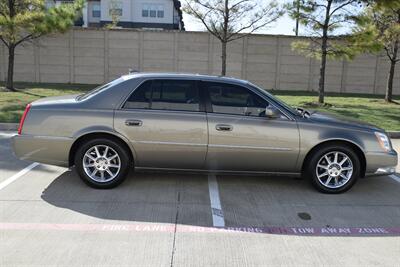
column 21, row 123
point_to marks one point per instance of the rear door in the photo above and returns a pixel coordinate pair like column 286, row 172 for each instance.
column 241, row 138
column 166, row 124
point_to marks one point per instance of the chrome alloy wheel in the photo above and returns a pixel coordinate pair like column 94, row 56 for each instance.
column 334, row 169
column 101, row 163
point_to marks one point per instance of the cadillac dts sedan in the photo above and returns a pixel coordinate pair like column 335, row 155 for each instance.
column 197, row 123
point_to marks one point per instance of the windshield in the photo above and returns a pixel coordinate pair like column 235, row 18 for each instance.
column 288, row 108
column 98, row 89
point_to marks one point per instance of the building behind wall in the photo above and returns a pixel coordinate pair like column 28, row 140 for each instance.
column 151, row 14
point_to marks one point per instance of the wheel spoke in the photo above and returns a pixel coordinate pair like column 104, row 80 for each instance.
column 113, row 166
column 336, row 157
column 343, row 176
column 89, row 165
column 347, row 168
column 93, row 174
column 105, row 152
column 322, row 174
column 328, row 180
column 110, row 173
column 322, row 167
column 97, row 152
column 327, row 159
column 112, row 157
column 343, row 160
column 90, row 156
column 336, row 180
column 102, row 175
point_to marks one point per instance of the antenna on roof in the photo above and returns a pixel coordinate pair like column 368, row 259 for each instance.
column 131, row 71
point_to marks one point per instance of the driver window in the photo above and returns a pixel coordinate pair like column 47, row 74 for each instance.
column 237, row 100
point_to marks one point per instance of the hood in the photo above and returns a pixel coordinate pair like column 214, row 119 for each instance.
column 341, row 121
column 55, row 100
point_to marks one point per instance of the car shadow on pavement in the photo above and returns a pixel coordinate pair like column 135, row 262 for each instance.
column 247, row 201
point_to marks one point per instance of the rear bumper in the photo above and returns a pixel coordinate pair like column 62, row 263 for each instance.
column 380, row 163
column 44, row 149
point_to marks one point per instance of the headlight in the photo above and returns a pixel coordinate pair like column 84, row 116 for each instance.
column 383, row 141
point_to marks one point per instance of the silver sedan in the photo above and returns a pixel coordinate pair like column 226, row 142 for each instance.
column 197, row 123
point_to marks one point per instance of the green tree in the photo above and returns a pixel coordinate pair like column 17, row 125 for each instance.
column 322, row 19
column 378, row 28
column 230, row 20
column 25, row 20
column 115, row 13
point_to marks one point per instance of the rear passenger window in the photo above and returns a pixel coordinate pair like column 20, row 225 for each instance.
column 233, row 99
column 180, row 95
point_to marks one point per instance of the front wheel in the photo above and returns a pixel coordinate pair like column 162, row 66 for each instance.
column 102, row 163
column 333, row 169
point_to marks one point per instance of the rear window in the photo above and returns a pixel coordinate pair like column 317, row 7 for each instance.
column 99, row 89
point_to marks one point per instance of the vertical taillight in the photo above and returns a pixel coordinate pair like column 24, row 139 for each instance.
column 21, row 123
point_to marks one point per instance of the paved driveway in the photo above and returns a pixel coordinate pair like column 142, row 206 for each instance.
column 49, row 217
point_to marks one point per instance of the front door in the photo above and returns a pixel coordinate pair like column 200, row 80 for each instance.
column 165, row 124
column 242, row 138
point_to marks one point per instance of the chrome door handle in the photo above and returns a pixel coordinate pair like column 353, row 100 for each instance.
column 224, row 127
column 133, row 123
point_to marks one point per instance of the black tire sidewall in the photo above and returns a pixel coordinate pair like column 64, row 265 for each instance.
column 317, row 156
column 124, row 157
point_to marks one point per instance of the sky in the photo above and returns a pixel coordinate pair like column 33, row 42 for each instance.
column 285, row 25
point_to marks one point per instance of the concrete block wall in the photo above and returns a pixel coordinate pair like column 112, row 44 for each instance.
column 95, row 56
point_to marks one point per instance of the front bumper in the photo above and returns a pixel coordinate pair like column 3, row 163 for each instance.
column 44, row 149
column 381, row 163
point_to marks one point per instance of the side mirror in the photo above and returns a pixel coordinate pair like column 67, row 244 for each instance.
column 272, row 112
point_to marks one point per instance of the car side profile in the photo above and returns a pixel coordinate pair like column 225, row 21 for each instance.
column 201, row 123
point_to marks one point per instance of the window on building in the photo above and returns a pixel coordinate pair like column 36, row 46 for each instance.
column 145, row 10
column 115, row 9
column 160, row 11
column 96, row 10
column 152, row 11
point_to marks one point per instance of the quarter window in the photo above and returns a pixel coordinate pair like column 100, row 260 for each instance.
column 237, row 100
column 165, row 95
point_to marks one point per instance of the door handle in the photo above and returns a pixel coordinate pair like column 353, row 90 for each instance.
column 224, row 127
column 133, row 123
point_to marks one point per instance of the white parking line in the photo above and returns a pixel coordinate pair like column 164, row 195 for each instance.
column 216, row 210
column 18, row 175
column 395, row 177
column 3, row 134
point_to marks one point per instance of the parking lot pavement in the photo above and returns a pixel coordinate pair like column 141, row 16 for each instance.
column 9, row 165
column 49, row 217
column 396, row 145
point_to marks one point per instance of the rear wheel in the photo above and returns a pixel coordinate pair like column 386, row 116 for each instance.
column 102, row 163
column 333, row 169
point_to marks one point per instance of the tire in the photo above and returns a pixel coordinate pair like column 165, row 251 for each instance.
column 105, row 168
column 330, row 177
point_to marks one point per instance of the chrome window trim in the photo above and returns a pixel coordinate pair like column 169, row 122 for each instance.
column 246, row 86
